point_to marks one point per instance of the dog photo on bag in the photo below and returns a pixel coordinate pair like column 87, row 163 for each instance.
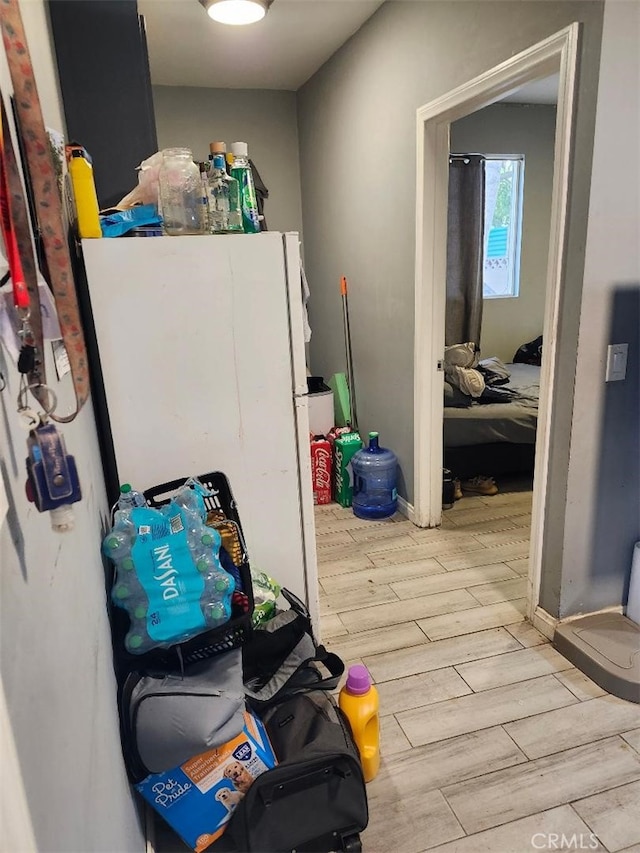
column 239, row 776
column 229, row 798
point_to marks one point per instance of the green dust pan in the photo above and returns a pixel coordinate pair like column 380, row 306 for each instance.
column 341, row 404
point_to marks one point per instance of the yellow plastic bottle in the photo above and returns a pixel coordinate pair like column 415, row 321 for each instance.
column 360, row 704
column 84, row 194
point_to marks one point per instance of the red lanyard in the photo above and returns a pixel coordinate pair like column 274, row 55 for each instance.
column 48, row 207
column 20, row 292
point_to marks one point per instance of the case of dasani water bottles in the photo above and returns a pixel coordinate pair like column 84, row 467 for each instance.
column 173, row 579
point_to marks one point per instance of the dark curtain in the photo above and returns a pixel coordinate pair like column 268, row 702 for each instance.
column 465, row 238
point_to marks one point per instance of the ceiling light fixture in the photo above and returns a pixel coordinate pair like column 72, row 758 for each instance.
column 236, row 12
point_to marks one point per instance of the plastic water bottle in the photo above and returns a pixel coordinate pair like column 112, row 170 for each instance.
column 225, row 214
column 241, row 171
column 375, row 471
column 118, row 543
column 204, row 546
column 128, row 497
column 359, row 702
column 168, row 572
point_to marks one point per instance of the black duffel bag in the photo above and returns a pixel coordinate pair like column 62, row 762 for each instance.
column 315, row 799
column 281, row 658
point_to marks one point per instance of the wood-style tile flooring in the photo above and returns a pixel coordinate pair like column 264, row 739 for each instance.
column 491, row 741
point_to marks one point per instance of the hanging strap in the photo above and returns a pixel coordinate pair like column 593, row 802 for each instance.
column 16, row 274
column 47, row 201
column 22, row 264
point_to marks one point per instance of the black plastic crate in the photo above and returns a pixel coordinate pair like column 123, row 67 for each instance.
column 235, row 632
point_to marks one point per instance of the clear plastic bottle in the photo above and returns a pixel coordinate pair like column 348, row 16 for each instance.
column 118, row 543
column 204, row 185
column 219, row 148
column 128, row 497
column 375, row 471
column 180, row 193
column 241, row 171
column 225, row 215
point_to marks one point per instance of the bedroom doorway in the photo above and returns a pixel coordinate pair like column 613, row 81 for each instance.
column 555, row 57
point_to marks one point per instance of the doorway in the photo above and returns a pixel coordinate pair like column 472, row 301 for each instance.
column 556, row 55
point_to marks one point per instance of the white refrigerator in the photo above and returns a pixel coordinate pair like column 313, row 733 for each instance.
column 201, row 349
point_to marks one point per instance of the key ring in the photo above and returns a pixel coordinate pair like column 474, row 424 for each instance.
column 53, row 399
column 29, row 417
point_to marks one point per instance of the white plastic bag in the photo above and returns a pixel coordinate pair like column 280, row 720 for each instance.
column 147, row 190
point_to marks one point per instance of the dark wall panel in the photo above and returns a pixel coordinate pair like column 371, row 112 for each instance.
column 106, row 88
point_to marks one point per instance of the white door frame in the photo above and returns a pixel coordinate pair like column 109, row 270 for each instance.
column 558, row 53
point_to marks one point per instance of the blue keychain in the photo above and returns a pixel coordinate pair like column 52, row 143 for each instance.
column 52, row 477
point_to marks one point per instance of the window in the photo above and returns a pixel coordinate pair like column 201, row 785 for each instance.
column 502, row 226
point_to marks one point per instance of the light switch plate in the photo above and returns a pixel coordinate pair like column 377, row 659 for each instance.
column 616, row 362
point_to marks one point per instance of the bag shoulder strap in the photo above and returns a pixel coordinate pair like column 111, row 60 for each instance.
column 331, row 662
column 305, row 678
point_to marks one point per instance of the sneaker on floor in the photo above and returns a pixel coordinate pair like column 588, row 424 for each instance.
column 457, row 490
column 480, row 486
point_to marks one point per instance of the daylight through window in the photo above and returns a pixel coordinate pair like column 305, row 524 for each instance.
column 502, row 226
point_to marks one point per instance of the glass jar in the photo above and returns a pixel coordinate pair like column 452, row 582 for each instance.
column 180, row 194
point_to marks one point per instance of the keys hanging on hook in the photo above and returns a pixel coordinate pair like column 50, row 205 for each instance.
column 29, row 418
column 30, row 378
column 27, row 359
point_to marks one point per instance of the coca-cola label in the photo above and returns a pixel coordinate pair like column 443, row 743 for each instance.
column 321, row 465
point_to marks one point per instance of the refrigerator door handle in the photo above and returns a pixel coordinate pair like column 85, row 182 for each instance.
column 291, row 244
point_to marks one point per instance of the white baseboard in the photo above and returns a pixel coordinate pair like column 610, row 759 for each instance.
column 615, row 608
column 544, row 622
column 406, row 509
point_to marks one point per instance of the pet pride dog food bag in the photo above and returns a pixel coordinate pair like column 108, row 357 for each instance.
column 198, row 798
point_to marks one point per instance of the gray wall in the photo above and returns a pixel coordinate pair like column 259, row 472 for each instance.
column 357, row 120
column 65, row 785
column 603, row 495
column 529, row 130
column 265, row 119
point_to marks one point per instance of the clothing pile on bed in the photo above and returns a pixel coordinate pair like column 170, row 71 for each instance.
column 475, row 380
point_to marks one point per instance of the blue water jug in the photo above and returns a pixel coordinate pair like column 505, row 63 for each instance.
column 374, row 481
